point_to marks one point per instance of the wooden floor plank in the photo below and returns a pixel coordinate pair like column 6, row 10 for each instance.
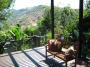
column 29, row 58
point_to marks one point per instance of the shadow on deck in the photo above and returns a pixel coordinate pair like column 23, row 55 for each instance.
column 30, row 58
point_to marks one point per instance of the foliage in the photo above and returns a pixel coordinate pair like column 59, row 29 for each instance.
column 2, row 36
column 87, row 35
column 16, row 32
column 69, row 16
column 31, row 30
column 69, row 20
column 26, row 46
column 49, row 35
column 4, row 5
column 44, row 24
column 66, row 20
column 6, row 25
column 86, row 18
column 87, row 8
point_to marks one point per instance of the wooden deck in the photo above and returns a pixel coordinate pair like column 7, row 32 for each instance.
column 30, row 58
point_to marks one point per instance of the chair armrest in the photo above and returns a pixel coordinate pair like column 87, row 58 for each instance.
column 46, row 46
column 75, row 52
column 66, row 54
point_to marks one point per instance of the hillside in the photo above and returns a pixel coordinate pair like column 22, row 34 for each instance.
column 27, row 16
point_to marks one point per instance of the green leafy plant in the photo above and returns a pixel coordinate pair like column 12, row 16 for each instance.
column 31, row 30
column 2, row 36
column 16, row 33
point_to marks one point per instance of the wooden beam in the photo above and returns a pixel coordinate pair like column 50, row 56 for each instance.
column 80, row 26
column 52, row 17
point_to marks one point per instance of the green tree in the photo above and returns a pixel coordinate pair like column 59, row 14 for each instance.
column 4, row 6
column 44, row 24
column 31, row 30
column 69, row 20
column 66, row 20
column 87, row 8
column 16, row 32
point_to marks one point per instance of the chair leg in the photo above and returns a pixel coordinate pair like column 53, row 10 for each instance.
column 75, row 62
column 46, row 53
column 66, row 64
column 54, row 56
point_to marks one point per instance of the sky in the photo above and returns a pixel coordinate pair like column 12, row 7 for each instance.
column 19, row 4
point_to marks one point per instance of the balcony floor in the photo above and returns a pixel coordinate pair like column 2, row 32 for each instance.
column 31, row 58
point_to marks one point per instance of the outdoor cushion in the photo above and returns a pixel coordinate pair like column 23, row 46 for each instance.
column 54, row 45
column 66, row 56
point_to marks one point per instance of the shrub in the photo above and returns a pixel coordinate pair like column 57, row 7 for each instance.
column 2, row 36
column 16, row 33
column 31, row 30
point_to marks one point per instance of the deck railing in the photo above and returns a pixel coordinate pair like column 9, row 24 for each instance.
column 25, row 43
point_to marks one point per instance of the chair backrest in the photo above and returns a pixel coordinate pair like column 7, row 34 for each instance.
column 54, row 45
column 76, row 46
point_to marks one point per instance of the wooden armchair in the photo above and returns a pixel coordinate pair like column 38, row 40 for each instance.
column 54, row 48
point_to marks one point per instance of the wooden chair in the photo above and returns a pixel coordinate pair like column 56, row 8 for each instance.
column 54, row 48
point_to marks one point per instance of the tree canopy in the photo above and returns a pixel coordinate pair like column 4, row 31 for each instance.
column 4, row 5
column 66, row 20
column 87, row 8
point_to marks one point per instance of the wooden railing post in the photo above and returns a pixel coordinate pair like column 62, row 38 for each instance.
column 52, row 17
column 80, row 26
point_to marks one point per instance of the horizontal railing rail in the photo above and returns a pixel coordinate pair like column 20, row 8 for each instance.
column 24, row 43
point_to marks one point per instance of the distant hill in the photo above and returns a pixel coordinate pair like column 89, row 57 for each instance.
column 27, row 16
